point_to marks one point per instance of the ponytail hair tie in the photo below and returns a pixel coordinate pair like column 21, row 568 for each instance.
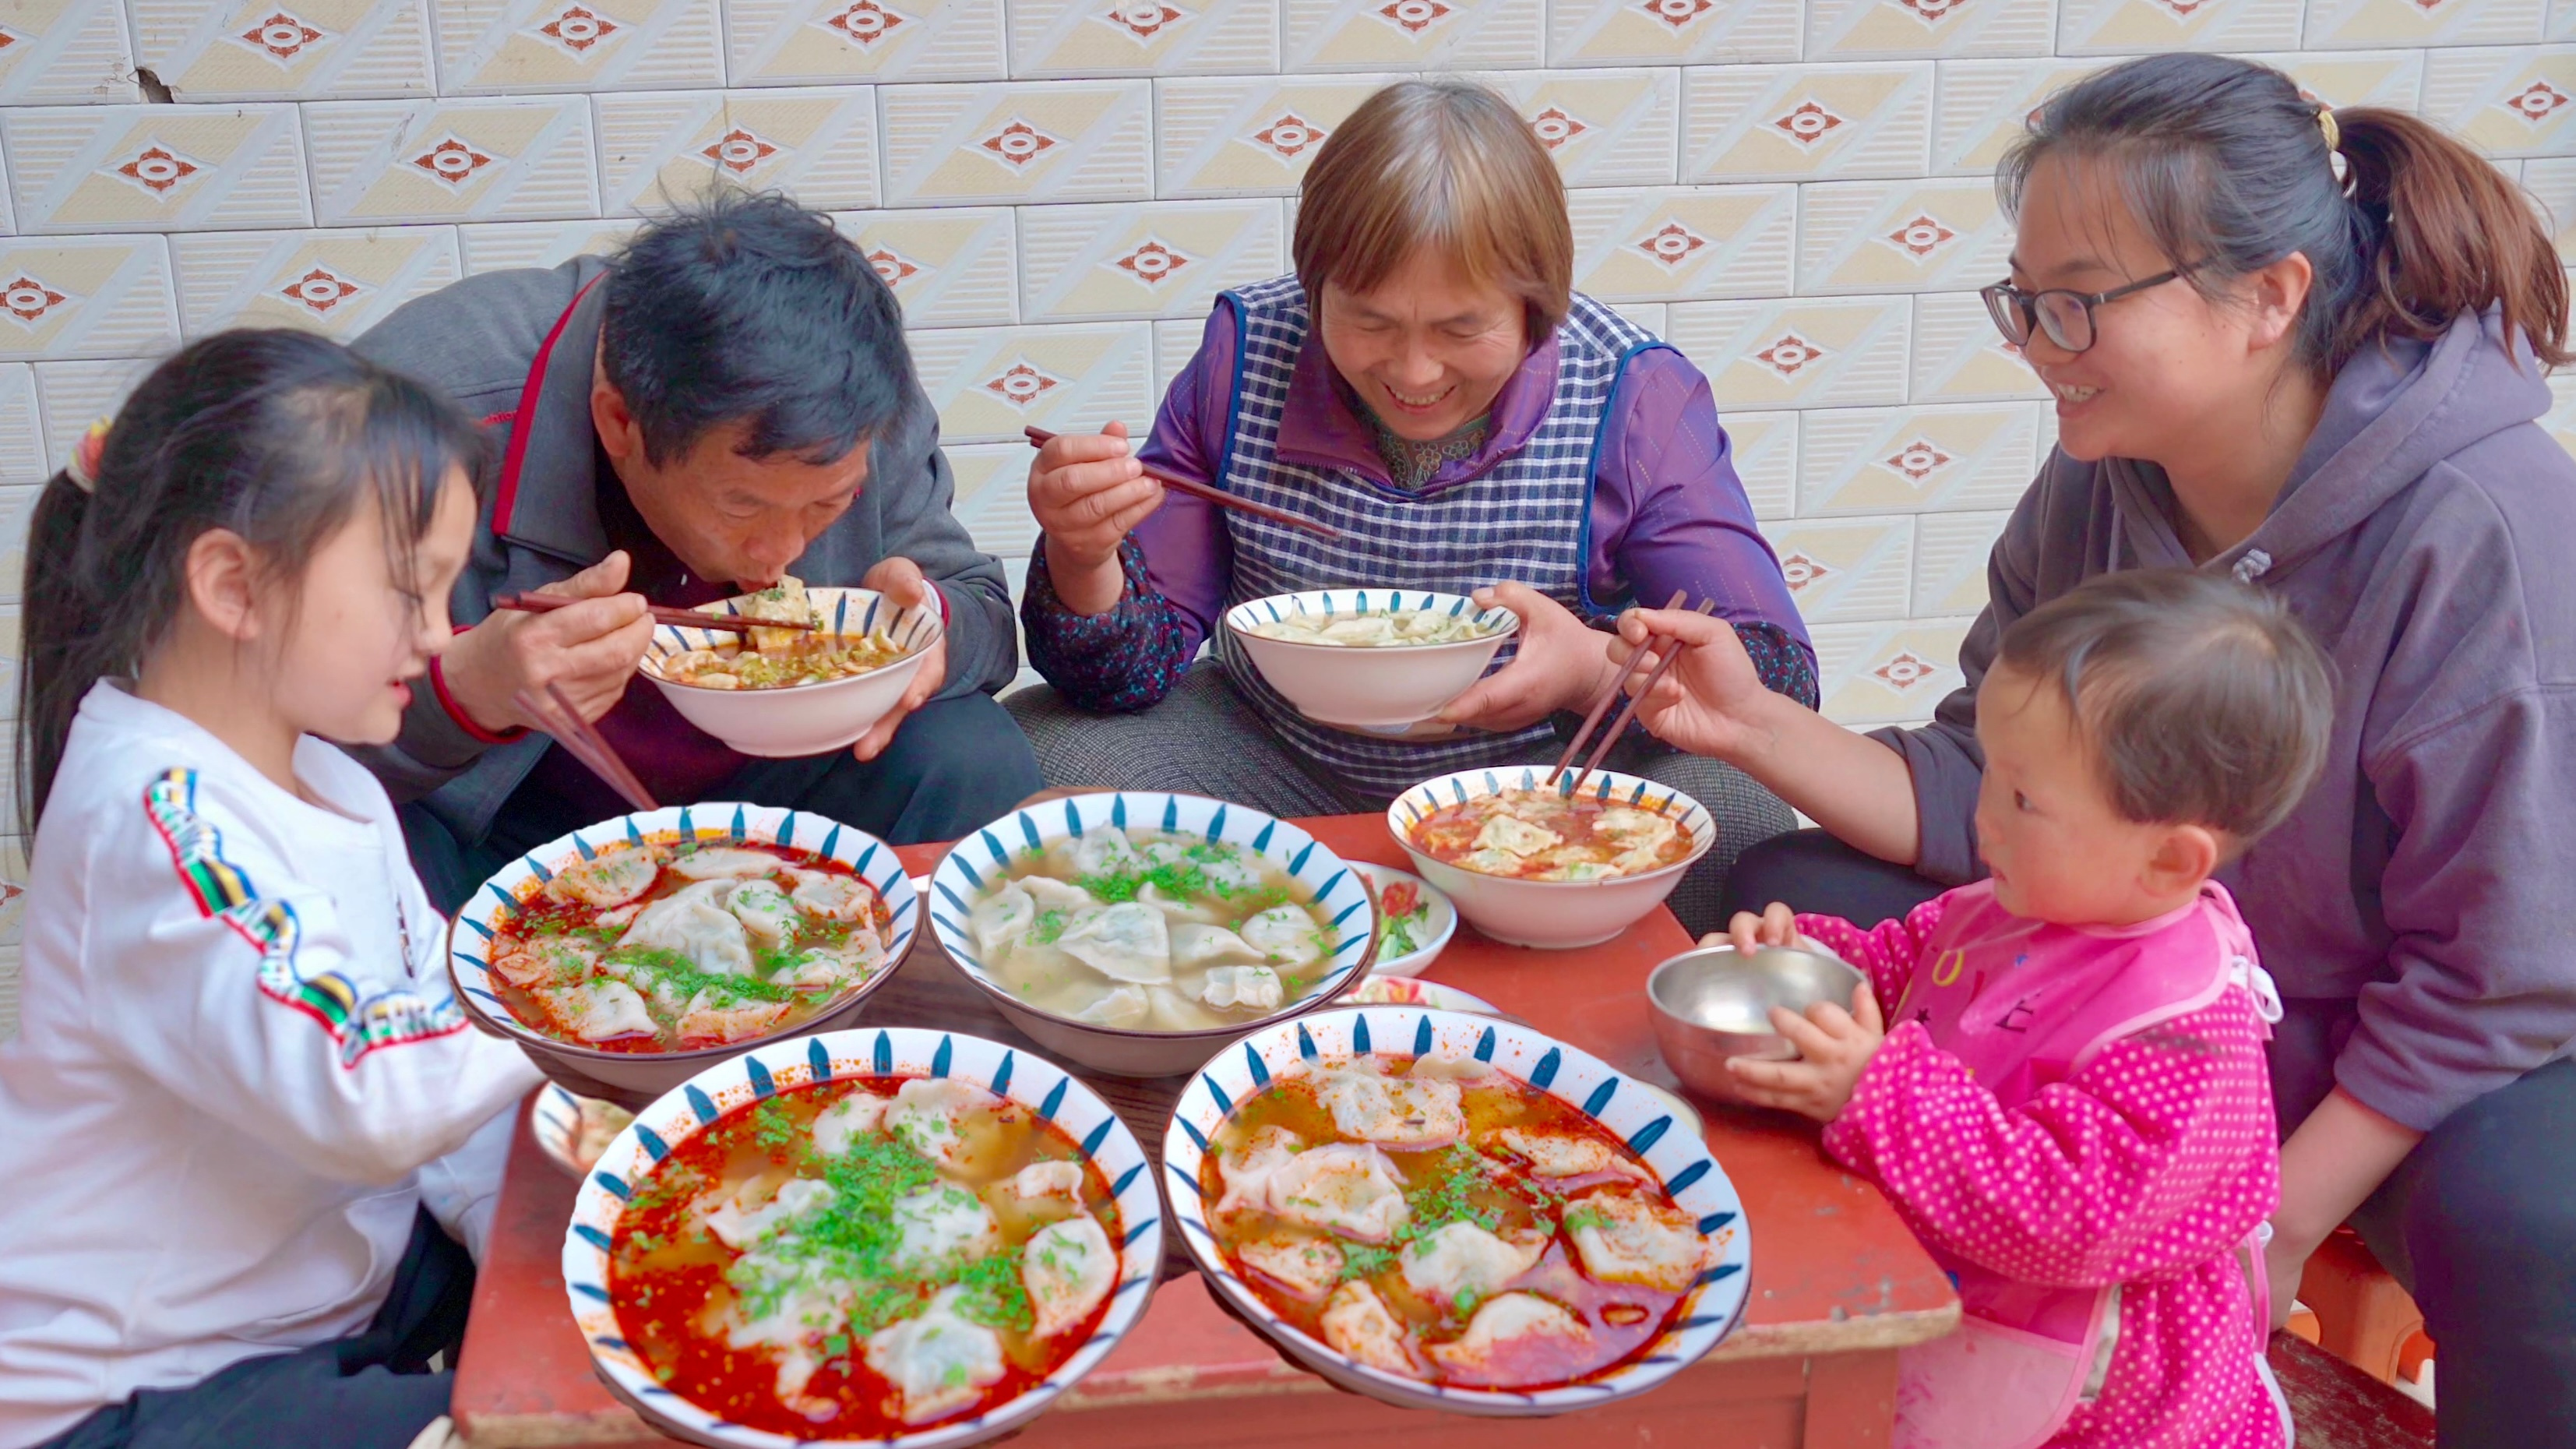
column 2333, row 132
column 85, row 455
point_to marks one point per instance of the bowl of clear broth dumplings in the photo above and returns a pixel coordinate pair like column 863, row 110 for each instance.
column 1374, row 660
column 1451, row 1212
column 1134, row 933
column 1531, row 863
column 905, row 1237
column 627, row 955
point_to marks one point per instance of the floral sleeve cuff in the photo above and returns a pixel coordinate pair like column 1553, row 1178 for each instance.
column 1784, row 664
column 1126, row 659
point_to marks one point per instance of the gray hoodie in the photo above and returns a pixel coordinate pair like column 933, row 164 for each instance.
column 2416, row 910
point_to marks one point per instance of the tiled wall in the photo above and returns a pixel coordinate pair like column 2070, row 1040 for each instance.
column 1793, row 191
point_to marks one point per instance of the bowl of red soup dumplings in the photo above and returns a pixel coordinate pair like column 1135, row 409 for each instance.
column 1451, row 1212
column 626, row 956
column 904, row 1237
column 1534, row 862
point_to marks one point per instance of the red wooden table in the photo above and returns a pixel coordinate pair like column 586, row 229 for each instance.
column 1838, row 1284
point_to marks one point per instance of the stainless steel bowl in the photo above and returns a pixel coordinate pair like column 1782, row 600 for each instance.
column 1715, row 1003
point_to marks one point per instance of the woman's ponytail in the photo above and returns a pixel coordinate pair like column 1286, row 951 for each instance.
column 64, row 642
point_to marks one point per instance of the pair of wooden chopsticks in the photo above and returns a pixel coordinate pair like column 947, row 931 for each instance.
column 1040, row 437
column 1671, row 650
column 559, row 719
column 685, row 618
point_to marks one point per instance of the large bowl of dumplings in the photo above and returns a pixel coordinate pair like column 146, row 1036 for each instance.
column 627, row 955
column 1369, row 659
column 1135, row 933
column 789, row 693
column 1451, row 1212
column 905, row 1237
column 1534, row 862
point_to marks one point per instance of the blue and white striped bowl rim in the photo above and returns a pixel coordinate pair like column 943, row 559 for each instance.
column 1680, row 1161
column 1325, row 603
column 973, row 864
column 714, row 823
column 849, row 611
column 1607, row 786
column 1032, row 1081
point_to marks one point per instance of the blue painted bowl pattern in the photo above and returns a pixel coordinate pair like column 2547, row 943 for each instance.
column 845, row 611
column 1679, row 1160
column 1330, row 602
column 1030, row 1081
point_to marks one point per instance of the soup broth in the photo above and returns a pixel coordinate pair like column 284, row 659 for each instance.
column 1440, row 1220
column 1374, row 629
column 660, row 947
column 1152, row 931
column 1545, row 834
column 862, row 1258
column 779, row 658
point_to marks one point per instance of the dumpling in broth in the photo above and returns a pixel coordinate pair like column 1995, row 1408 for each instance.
column 694, row 924
column 1125, row 942
column 939, row 1362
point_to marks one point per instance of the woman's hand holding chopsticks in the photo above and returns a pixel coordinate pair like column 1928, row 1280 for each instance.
column 588, row 649
column 1086, row 491
column 1710, row 701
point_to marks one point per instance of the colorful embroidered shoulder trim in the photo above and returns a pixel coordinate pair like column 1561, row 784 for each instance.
column 358, row 1021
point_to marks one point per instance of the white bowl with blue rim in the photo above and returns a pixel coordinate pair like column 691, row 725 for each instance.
column 983, row 859
column 1642, row 1118
column 631, row 1079
column 1377, row 688
column 1550, row 914
column 695, row 1104
column 795, row 720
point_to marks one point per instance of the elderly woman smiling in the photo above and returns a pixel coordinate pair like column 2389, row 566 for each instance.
column 1428, row 383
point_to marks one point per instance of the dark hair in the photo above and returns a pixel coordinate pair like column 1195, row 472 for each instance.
column 274, row 435
column 2226, row 165
column 2203, row 701
column 751, row 309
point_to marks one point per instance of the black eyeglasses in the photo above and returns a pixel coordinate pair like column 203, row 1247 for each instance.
column 2066, row 316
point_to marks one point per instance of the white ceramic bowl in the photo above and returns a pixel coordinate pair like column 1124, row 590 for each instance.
column 1362, row 688
column 1033, row 1082
column 633, row 1078
column 1552, row 914
column 800, row 719
column 976, row 862
column 1430, row 934
column 1641, row 1118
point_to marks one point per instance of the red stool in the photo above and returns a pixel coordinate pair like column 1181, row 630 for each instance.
column 2359, row 1313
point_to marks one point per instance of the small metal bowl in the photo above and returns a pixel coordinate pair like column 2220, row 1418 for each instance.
column 1714, row 1003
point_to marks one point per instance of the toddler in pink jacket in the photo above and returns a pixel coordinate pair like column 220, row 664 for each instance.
column 2071, row 1107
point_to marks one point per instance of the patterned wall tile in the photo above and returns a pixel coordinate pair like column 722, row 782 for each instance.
column 1797, row 354
column 1684, row 243
column 154, row 168
column 1034, row 141
column 521, row 47
column 22, row 438
column 2504, row 102
column 822, row 42
column 1604, row 127
column 1747, row 123
column 993, row 496
column 1847, row 570
column 73, row 395
column 2560, row 23
column 952, row 267
column 337, row 282
column 2552, row 183
column 2367, row 24
column 1985, row 105
column 17, row 510
column 97, row 296
column 1960, row 357
column 11, row 656
column 2145, row 27
column 1066, row 39
column 65, row 51
column 1364, row 35
column 461, row 160
column 1175, row 343
column 1950, row 552
column 1915, row 460
column 1875, row 674
column 989, row 383
column 1766, row 460
column 1904, row 236
column 1906, row 29
column 2355, row 77
column 497, row 246
column 1162, row 259
column 1249, row 137
column 818, row 145
column 1672, row 32
column 254, row 50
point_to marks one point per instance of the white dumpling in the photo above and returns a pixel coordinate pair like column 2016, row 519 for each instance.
column 833, row 897
column 600, row 1010
column 739, row 1224
column 1122, row 1007
column 1242, row 986
column 1197, row 945
column 1557, row 1154
column 839, row 1127
column 939, row 1362
column 802, row 1305
column 1177, row 910
column 1124, row 942
column 1636, row 829
column 1051, row 894
column 1516, row 837
column 709, row 1016
column 1040, row 1181
column 1247, row 1170
column 1450, row 1069
column 612, row 878
column 1169, row 1010
column 942, row 1223
column 926, row 1117
column 1624, row 1238
column 1306, row 1267
column 534, row 961
column 1463, row 1258
column 1105, row 850
column 1501, row 1323
column 1068, row 1267
column 999, row 919
column 694, row 924
column 1343, row 1188
column 1360, row 1326
column 763, row 910
column 1285, row 936
column 823, row 967
column 724, row 863
column 1402, row 1112
column 1361, row 630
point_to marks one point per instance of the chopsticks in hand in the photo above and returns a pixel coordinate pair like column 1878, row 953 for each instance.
column 1670, row 649
column 1040, row 437
column 552, row 711
column 685, row 618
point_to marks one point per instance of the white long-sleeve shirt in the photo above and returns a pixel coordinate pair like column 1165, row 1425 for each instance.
column 239, row 1068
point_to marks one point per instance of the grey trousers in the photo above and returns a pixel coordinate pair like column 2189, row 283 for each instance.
column 1205, row 740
